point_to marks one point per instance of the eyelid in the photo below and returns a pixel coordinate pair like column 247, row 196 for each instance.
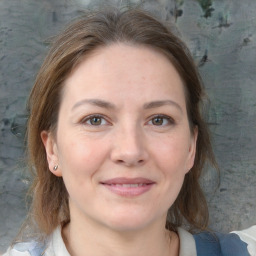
column 168, row 118
column 88, row 117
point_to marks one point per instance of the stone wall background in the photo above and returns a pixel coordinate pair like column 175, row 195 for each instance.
column 221, row 34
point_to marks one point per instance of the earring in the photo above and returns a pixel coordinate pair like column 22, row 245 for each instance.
column 55, row 167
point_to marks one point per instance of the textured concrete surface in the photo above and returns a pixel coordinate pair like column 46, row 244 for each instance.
column 222, row 38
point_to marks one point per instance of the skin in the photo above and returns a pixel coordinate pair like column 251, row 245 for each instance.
column 131, row 136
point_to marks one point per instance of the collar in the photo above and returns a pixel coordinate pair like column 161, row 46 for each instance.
column 187, row 243
column 57, row 247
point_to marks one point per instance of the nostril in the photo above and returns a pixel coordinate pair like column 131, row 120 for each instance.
column 130, row 162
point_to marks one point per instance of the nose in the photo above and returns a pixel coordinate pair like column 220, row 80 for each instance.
column 129, row 147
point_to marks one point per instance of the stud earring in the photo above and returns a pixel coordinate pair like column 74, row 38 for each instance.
column 55, row 167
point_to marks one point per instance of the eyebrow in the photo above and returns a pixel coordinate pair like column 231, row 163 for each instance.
column 108, row 105
column 160, row 103
column 95, row 102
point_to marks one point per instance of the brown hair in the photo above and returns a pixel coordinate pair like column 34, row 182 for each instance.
column 50, row 198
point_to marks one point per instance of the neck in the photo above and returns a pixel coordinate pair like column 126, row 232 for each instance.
column 85, row 239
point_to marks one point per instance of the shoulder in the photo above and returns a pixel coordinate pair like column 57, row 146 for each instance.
column 249, row 237
column 32, row 248
column 53, row 245
column 232, row 244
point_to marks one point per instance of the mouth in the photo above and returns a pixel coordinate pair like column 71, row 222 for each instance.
column 128, row 187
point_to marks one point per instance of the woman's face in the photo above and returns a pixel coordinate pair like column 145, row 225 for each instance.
column 123, row 142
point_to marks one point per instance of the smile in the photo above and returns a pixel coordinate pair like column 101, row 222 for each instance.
column 128, row 187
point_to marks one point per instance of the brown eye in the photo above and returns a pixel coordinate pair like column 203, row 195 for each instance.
column 157, row 120
column 161, row 120
column 95, row 120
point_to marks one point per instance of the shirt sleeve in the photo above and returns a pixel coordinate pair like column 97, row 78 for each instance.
column 14, row 252
column 249, row 237
column 25, row 249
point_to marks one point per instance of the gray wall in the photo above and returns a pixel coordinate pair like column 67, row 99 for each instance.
column 222, row 37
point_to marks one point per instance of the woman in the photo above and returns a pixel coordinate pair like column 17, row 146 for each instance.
column 117, row 144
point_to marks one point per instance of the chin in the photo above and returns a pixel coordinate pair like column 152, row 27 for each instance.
column 129, row 222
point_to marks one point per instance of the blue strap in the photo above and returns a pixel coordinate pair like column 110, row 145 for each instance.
column 207, row 244
column 217, row 244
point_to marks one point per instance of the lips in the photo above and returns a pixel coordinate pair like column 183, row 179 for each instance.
column 128, row 187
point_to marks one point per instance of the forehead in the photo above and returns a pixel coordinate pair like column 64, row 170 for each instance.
column 124, row 69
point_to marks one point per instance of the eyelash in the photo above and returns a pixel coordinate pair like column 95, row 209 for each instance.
column 170, row 120
column 89, row 118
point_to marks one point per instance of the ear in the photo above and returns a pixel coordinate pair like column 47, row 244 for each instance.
column 51, row 152
column 192, row 149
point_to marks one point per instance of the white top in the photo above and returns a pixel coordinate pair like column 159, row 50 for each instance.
column 56, row 246
column 249, row 237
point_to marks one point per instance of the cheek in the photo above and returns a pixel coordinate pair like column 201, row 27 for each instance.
column 81, row 157
column 172, row 154
column 80, row 162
